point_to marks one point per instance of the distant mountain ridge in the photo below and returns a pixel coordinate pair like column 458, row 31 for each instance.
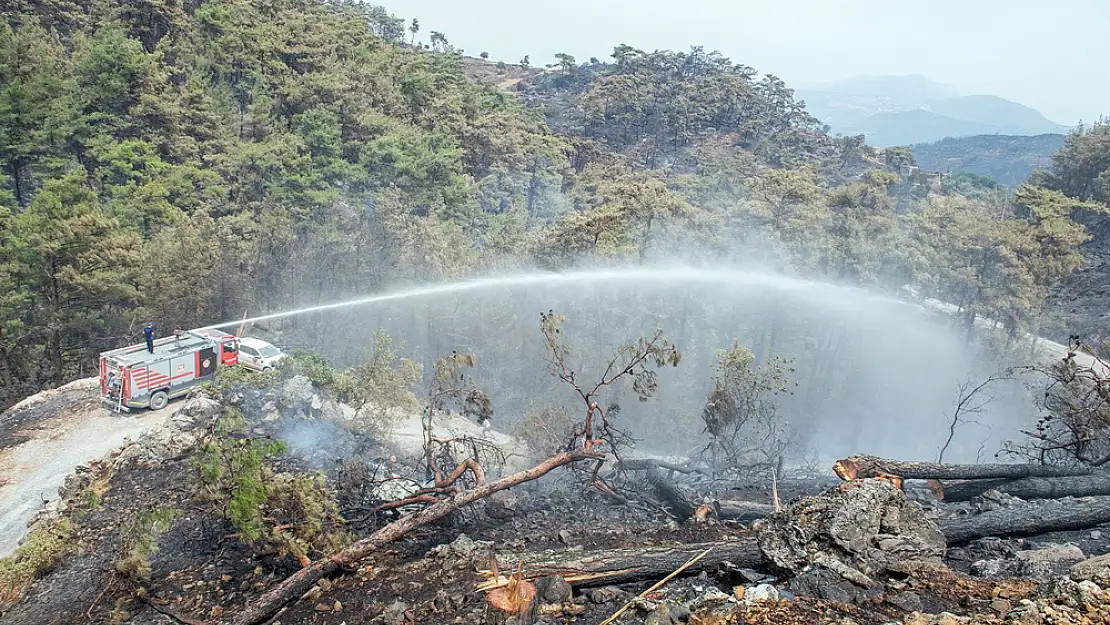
column 904, row 110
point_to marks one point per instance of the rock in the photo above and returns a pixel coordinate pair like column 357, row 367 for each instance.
column 762, row 592
column 907, row 601
column 661, row 615
column 395, row 613
column 752, row 577
column 463, row 546
column 565, row 537
column 324, row 584
column 944, row 618
column 642, row 605
column 1091, row 593
column 1068, row 592
column 441, row 602
column 1049, row 561
column 821, row 583
column 323, row 607
column 864, row 525
column 680, row 614
column 196, row 413
column 608, row 594
column 707, row 597
column 992, row 500
column 1096, row 569
column 156, row 446
column 1096, row 535
column 316, row 402
column 553, row 589
column 1002, row 607
column 502, row 505
column 991, row 568
column 297, row 391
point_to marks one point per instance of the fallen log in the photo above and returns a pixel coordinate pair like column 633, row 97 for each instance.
column 1028, row 520
column 621, row 566
column 1031, row 487
column 859, row 467
column 744, row 510
column 682, row 507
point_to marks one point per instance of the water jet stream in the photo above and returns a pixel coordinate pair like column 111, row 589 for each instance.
column 656, row 275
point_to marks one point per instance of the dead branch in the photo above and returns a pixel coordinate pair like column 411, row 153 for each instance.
column 744, row 511
column 643, row 464
column 297, row 584
column 968, row 403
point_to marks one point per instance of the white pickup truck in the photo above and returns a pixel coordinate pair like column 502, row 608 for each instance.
column 258, row 354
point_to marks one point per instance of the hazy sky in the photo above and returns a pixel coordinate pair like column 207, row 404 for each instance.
column 1049, row 55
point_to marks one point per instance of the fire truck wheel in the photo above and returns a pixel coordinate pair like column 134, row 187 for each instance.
column 159, row 400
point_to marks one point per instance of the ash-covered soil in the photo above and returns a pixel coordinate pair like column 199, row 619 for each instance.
column 202, row 571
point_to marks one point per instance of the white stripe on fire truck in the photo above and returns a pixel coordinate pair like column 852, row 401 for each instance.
column 162, row 380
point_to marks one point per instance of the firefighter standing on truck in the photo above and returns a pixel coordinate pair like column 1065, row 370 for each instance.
column 148, row 332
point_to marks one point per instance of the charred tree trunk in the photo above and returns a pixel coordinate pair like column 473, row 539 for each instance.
column 1028, row 520
column 1031, row 487
column 859, row 467
column 744, row 510
column 680, row 505
column 622, row 566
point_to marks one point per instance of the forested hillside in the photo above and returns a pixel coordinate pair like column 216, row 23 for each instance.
column 186, row 161
column 1008, row 160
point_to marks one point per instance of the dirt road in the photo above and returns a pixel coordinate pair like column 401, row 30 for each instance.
column 45, row 437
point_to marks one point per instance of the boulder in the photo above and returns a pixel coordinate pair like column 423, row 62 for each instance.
column 857, row 530
column 197, row 413
column 762, row 592
column 1096, row 569
column 1049, row 561
column 553, row 590
column 297, row 391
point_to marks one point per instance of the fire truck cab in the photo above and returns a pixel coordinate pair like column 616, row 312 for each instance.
column 132, row 377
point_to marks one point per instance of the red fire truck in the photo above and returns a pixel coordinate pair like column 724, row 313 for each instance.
column 132, row 377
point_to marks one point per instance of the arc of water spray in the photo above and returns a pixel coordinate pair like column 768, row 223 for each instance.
column 663, row 274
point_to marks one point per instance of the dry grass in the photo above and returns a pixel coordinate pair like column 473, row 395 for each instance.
column 38, row 555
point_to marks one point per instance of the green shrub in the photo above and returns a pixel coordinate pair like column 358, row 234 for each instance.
column 303, row 516
column 293, row 514
column 231, row 466
column 141, row 541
